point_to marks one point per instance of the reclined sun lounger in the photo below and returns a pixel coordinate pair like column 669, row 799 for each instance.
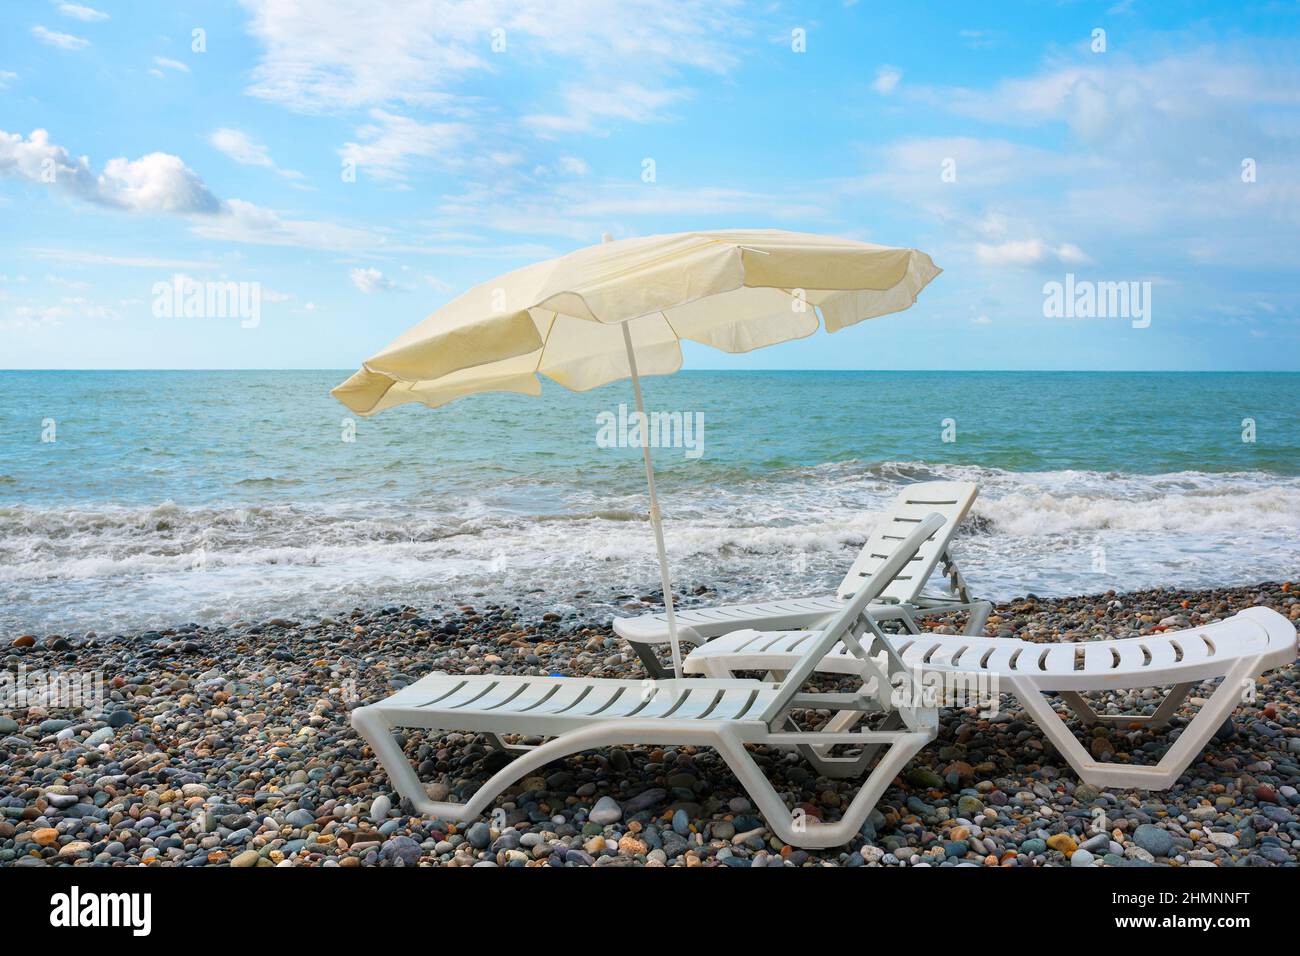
column 581, row 714
column 903, row 600
column 1237, row 649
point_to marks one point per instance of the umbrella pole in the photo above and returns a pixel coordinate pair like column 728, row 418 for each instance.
column 654, row 505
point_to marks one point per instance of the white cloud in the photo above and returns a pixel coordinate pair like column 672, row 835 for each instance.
column 162, row 183
column 334, row 54
column 7, row 77
column 1071, row 255
column 38, row 160
column 1028, row 252
column 78, row 12
column 388, row 145
column 573, row 165
column 30, row 318
column 76, row 284
column 245, row 222
column 588, row 107
column 887, row 78
column 371, row 280
column 239, row 146
column 1201, row 92
column 581, row 211
column 979, row 39
column 64, row 41
column 81, row 257
column 1143, row 168
column 156, row 183
column 169, row 64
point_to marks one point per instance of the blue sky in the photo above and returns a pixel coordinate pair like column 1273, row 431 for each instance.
column 226, row 163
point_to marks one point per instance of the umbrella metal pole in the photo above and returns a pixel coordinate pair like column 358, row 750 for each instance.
column 654, row 505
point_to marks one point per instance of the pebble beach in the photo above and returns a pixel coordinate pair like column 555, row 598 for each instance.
column 231, row 746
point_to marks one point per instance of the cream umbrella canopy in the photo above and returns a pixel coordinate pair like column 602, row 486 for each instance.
column 621, row 309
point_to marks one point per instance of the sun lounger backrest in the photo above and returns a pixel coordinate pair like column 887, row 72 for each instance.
column 951, row 499
column 901, row 555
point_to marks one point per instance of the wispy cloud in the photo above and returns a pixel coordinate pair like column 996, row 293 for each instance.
column 586, row 108
column 372, row 280
column 1028, row 252
column 1145, row 162
column 335, row 54
column 247, row 222
column 887, row 78
column 388, row 146
column 83, row 257
column 167, row 63
column 64, row 41
column 243, row 149
column 83, row 13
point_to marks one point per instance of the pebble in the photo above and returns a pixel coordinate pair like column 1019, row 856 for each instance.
column 240, row 748
column 681, row 823
column 1154, row 840
column 606, row 811
column 479, row 836
column 300, row 818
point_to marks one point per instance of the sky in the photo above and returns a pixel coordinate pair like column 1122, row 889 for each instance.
column 361, row 162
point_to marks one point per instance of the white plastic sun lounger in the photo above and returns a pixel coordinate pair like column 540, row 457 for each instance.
column 581, row 714
column 903, row 600
column 1237, row 649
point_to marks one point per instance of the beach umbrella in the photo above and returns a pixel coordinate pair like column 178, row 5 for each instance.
column 621, row 309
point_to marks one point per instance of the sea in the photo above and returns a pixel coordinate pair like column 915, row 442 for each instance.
column 140, row 500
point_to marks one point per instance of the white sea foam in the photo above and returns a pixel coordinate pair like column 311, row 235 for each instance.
column 121, row 568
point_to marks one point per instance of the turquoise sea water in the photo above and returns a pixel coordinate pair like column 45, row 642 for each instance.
column 174, row 496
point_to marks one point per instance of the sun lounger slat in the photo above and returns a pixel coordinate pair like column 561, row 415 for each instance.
column 1162, row 653
column 1055, row 658
column 999, row 660
column 1237, row 649
column 470, row 691
column 578, row 714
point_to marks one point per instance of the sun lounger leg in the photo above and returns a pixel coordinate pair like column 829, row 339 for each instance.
column 1176, row 759
column 979, row 616
column 370, row 723
column 498, row 742
column 846, row 768
column 798, row 830
column 650, row 661
column 1162, row 715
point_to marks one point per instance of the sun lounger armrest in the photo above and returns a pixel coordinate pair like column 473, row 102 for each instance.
column 857, row 604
